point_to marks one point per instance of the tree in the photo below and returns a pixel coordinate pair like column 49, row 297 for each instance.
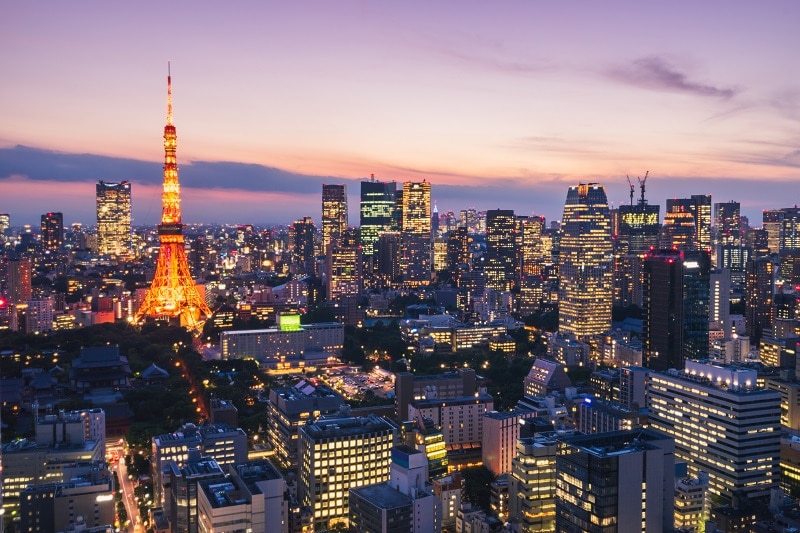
column 477, row 487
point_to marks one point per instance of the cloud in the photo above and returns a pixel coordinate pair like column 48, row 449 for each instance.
column 655, row 73
column 39, row 164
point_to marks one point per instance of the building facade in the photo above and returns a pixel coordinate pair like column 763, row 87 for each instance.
column 334, row 215
column 338, row 454
column 113, row 218
column 585, row 263
column 722, row 424
column 416, row 237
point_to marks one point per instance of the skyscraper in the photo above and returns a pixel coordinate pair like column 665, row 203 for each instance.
column 676, row 308
column 344, row 263
column 377, row 209
column 19, row 281
column 585, row 263
column 173, row 293
column 500, row 264
column 52, row 231
column 113, row 218
column 759, row 295
column 701, row 209
column 334, row 215
column 5, row 222
column 301, row 246
column 417, row 243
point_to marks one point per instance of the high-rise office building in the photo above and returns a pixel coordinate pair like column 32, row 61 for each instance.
column 722, row 424
column 344, row 264
column 113, row 218
column 730, row 250
column 500, row 262
column 727, row 220
column 676, row 308
column 759, row 295
column 637, row 232
column 338, row 454
column 301, row 246
column 617, row 481
column 52, row 231
column 19, row 281
column 719, row 299
column 585, row 263
column 532, row 485
column 334, row 215
column 5, row 223
column 530, row 246
column 173, row 293
column 771, row 221
column 289, row 408
column 678, row 229
column 377, row 209
column 790, row 229
column 701, row 209
column 388, row 258
column 417, row 243
column 699, row 206
column 501, row 430
column 638, row 228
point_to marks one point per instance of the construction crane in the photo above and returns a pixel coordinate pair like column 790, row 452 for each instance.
column 642, row 181
column 631, row 186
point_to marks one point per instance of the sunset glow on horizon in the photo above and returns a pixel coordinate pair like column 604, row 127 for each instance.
column 497, row 105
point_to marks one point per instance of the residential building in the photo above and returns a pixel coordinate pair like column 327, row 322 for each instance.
column 500, row 434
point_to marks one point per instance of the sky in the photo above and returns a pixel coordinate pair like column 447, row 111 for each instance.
column 496, row 104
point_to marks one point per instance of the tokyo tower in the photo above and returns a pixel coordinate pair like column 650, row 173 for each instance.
column 173, row 294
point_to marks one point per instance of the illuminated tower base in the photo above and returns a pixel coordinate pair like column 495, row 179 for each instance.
column 173, row 294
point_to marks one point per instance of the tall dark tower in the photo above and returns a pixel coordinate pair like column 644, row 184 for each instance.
column 376, row 211
column 676, row 308
column 500, row 249
column 173, row 293
column 53, row 231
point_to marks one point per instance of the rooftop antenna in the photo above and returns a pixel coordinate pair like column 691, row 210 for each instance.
column 642, row 181
column 169, row 93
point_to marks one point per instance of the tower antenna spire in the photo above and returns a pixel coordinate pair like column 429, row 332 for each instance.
column 169, row 93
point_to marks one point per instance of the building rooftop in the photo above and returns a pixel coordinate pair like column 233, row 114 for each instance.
column 254, row 472
column 503, row 415
column 462, row 400
column 334, row 426
column 383, row 496
column 616, row 442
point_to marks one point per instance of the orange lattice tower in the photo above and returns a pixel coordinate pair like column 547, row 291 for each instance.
column 173, row 293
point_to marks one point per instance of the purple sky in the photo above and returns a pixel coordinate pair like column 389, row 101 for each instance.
column 498, row 104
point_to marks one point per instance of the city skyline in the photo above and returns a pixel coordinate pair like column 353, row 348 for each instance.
column 498, row 107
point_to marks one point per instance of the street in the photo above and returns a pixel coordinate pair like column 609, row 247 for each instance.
column 126, row 487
